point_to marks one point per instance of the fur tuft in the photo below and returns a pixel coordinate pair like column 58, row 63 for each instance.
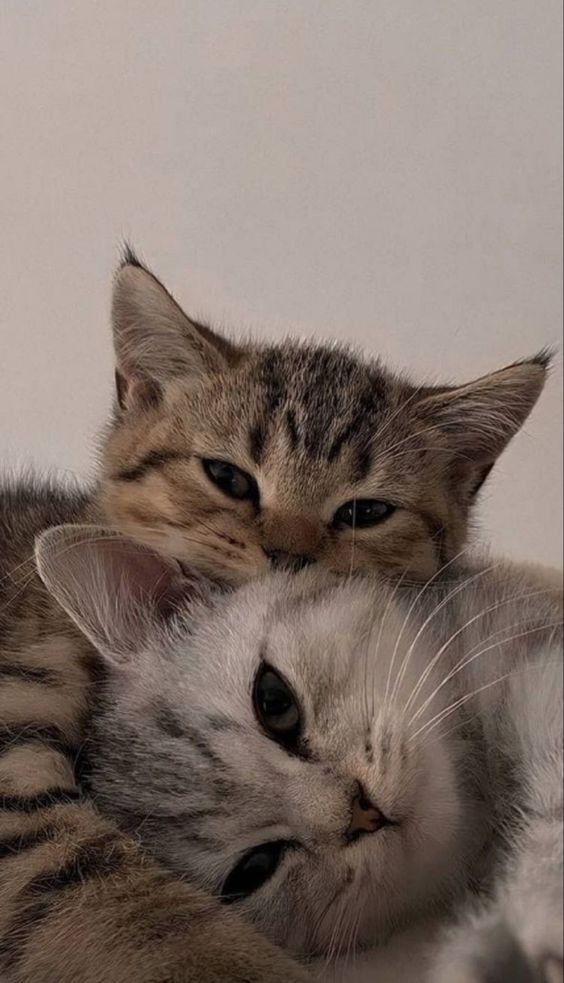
column 129, row 257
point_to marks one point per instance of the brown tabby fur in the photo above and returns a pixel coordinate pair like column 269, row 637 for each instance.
column 315, row 426
column 79, row 902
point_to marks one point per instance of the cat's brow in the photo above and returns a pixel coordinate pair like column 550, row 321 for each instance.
column 153, row 459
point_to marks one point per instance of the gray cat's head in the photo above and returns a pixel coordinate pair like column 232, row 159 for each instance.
column 263, row 743
column 240, row 457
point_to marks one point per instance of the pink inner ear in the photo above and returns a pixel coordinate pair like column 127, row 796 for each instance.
column 134, row 390
column 114, row 588
column 151, row 581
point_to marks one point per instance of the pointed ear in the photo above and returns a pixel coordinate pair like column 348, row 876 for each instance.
column 154, row 340
column 478, row 420
column 114, row 589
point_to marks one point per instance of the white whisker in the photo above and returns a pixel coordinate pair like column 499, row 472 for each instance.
column 494, row 607
column 468, row 661
column 410, row 611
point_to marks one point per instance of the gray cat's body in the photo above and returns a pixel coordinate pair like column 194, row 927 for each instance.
column 420, row 764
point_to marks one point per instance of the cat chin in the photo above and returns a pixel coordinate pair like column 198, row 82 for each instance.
column 405, row 957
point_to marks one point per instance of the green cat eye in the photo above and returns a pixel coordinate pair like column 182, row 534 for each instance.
column 276, row 707
column 361, row 513
column 232, row 481
column 254, row 869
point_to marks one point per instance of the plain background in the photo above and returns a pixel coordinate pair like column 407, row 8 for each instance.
column 387, row 172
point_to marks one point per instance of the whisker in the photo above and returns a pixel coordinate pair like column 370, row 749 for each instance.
column 22, row 586
column 442, row 427
column 411, row 609
column 494, row 607
column 430, row 725
column 389, row 602
column 462, row 665
column 399, row 409
column 30, row 560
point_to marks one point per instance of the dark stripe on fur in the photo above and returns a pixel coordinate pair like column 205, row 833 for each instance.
column 203, row 747
column 362, row 464
column 43, row 800
column 96, row 859
column 292, row 428
column 257, row 440
column 31, row 674
column 167, row 721
column 12, row 735
column 152, row 460
column 28, row 841
column 221, row 723
column 19, row 930
column 100, row 857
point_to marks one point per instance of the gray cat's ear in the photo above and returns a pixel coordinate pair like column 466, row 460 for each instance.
column 154, row 340
column 114, row 589
column 477, row 421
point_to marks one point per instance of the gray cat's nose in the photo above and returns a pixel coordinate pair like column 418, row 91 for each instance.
column 365, row 817
column 293, row 562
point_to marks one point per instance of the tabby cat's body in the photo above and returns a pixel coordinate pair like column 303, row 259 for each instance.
column 231, row 459
column 79, row 903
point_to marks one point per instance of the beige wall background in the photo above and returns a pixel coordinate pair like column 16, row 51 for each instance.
column 383, row 172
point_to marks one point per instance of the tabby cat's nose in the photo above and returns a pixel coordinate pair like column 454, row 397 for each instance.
column 365, row 817
column 293, row 562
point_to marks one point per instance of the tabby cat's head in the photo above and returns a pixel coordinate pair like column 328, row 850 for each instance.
column 237, row 458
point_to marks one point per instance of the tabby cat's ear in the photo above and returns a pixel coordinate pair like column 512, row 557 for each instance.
column 476, row 421
column 154, row 340
column 114, row 589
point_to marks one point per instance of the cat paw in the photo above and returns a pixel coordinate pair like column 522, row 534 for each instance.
column 488, row 951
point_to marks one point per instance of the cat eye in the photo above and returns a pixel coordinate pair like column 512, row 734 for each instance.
column 276, row 707
column 361, row 513
column 232, row 481
column 254, row 869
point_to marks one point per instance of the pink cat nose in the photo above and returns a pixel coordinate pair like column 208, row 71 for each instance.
column 365, row 817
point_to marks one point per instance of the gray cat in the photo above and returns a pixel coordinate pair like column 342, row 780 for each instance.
column 337, row 760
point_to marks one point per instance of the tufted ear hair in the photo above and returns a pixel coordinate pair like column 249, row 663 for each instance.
column 116, row 590
column 154, row 340
column 478, row 420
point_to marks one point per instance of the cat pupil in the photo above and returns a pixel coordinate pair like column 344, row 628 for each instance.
column 276, row 703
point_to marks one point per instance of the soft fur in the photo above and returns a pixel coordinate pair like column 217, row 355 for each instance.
column 445, row 704
column 79, row 900
column 315, row 425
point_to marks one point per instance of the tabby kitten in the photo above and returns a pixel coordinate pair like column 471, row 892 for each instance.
column 231, row 459
column 332, row 757
column 237, row 458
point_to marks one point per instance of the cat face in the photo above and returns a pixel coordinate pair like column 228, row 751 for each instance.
column 264, row 744
column 238, row 459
